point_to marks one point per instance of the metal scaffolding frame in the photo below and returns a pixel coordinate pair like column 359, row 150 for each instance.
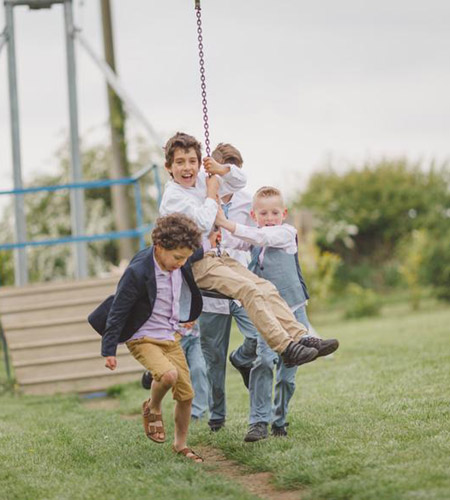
column 76, row 195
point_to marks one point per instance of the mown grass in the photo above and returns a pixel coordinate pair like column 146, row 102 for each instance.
column 372, row 423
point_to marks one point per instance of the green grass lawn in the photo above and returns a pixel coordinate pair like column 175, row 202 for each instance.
column 372, row 423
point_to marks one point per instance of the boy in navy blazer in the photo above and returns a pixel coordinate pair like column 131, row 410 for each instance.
column 155, row 291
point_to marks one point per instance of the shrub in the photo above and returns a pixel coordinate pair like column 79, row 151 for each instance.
column 319, row 269
column 364, row 213
column 361, row 302
column 412, row 257
column 436, row 264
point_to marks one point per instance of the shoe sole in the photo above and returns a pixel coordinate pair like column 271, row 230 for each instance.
column 245, row 376
column 314, row 354
column 253, row 440
column 144, row 382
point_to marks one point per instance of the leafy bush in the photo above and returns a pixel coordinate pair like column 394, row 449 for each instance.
column 412, row 259
column 436, row 264
column 361, row 302
column 319, row 269
column 363, row 213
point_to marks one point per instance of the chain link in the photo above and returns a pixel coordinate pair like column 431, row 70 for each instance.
column 201, row 56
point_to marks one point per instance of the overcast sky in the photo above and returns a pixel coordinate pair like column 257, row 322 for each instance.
column 295, row 85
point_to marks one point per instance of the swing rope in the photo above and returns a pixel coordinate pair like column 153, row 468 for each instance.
column 201, row 56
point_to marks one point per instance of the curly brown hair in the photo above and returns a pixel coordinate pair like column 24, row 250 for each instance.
column 176, row 231
column 182, row 141
column 227, row 153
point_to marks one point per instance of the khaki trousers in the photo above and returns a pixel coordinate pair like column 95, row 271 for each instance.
column 268, row 311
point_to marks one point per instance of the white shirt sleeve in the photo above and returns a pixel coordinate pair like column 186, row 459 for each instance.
column 230, row 241
column 233, row 181
column 283, row 236
column 204, row 215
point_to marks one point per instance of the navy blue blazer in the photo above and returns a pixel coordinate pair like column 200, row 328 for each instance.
column 121, row 315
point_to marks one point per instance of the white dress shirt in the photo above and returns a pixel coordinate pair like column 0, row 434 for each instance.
column 283, row 236
column 192, row 201
column 239, row 210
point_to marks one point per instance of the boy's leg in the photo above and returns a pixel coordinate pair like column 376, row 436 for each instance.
column 183, row 394
column 285, row 385
column 278, row 305
column 214, row 339
column 152, row 354
column 260, row 389
column 243, row 357
column 245, row 354
column 197, row 369
column 182, row 418
column 259, row 297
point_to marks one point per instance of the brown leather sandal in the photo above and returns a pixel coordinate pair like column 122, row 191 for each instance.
column 153, row 424
column 189, row 453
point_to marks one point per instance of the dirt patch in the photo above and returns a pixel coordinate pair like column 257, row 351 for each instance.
column 258, row 483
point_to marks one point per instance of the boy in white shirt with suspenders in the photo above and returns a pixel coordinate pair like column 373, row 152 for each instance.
column 274, row 257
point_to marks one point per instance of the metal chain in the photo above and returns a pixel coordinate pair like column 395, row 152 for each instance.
column 201, row 55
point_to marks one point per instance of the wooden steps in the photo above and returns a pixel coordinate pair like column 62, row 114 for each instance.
column 52, row 347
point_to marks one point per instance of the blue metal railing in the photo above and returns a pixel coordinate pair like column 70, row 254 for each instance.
column 139, row 232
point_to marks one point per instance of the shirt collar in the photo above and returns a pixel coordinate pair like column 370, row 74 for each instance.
column 158, row 269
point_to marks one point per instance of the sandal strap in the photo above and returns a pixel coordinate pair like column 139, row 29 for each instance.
column 186, row 451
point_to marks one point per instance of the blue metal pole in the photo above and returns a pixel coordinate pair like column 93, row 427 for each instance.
column 138, row 204
column 158, row 183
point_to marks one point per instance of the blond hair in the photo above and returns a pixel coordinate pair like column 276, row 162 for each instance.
column 267, row 192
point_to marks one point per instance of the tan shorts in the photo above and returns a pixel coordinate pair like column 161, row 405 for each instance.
column 162, row 356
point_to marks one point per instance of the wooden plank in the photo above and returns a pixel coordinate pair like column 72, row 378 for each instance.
column 33, row 343
column 39, row 288
column 92, row 384
column 75, row 308
column 103, row 291
column 60, row 353
column 53, row 333
column 70, row 370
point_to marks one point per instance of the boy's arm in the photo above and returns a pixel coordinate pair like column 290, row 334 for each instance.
column 233, row 178
column 282, row 236
column 203, row 215
column 124, row 300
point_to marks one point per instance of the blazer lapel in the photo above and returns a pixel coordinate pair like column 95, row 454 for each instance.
column 150, row 281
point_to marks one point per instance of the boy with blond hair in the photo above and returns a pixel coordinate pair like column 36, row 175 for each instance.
column 273, row 244
column 195, row 194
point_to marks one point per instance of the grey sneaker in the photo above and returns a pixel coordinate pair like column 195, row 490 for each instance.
column 297, row 354
column 243, row 370
column 256, row 432
column 324, row 346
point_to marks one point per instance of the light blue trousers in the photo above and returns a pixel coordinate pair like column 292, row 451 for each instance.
column 261, row 382
column 215, row 338
column 197, row 368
